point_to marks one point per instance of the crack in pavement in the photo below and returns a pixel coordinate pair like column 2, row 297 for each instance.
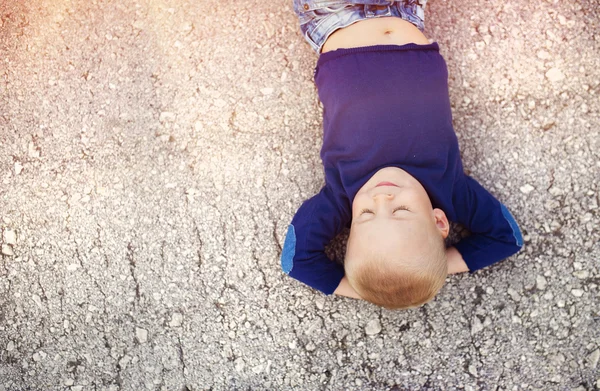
column 132, row 266
column 200, row 246
column 182, row 359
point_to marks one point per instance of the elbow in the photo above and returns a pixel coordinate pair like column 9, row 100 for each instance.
column 289, row 250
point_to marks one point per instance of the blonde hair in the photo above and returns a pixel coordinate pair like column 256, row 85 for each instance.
column 400, row 283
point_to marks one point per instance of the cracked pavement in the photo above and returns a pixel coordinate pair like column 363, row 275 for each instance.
column 152, row 154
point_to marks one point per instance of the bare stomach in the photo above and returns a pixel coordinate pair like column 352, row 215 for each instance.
column 376, row 31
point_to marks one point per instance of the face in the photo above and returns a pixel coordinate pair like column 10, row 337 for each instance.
column 392, row 213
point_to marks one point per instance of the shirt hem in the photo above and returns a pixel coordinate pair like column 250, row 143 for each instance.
column 327, row 56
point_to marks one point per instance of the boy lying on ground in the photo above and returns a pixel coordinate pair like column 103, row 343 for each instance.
column 393, row 171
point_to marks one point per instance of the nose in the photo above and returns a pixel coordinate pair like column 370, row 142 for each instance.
column 387, row 196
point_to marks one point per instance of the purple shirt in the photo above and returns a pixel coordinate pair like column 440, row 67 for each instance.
column 388, row 105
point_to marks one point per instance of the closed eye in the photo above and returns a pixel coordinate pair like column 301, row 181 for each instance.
column 401, row 207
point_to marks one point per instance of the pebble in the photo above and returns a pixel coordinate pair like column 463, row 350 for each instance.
column 141, row 335
column 543, row 55
column 69, row 382
column 577, row 292
column 593, row 358
column 7, row 250
column 473, row 370
column 11, row 346
column 166, row 116
column 239, row 364
column 124, row 361
column 526, row 189
column 581, row 274
column 477, row 326
column 258, row 369
column 540, row 282
column 310, row 347
column 320, row 303
column 373, row 327
column 267, row 91
column 554, row 75
column 18, row 168
column 77, row 388
column 176, row 319
column 220, row 103
column 514, row 294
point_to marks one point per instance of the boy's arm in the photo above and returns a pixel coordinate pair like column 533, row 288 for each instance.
column 456, row 263
column 495, row 234
column 315, row 224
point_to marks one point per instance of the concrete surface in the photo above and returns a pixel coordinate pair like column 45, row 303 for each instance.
column 153, row 152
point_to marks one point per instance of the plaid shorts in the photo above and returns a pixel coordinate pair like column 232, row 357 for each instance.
column 320, row 18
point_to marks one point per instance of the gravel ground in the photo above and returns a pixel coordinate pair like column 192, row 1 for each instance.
column 153, row 152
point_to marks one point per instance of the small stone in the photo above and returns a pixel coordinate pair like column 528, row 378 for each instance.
column 176, row 319
column 548, row 125
column 320, row 303
column 476, row 326
column 514, row 294
column 267, row 91
column 555, row 75
column 7, row 250
column 310, row 347
column 540, row 282
column 543, row 55
column 69, row 382
column 73, row 267
column 166, row 116
column 36, row 357
column 526, row 189
column 124, row 361
column 77, row 388
column 581, row 274
column 562, row 20
column 18, row 168
column 577, row 292
column 220, row 103
column 593, row 358
column 358, row 382
column 373, row 327
column 10, row 346
column 258, row 369
column 473, row 370
column 239, row 364
column 141, row 335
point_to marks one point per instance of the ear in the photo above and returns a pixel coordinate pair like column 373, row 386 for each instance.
column 441, row 222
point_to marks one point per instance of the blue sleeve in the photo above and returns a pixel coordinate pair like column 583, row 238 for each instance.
column 315, row 224
column 495, row 234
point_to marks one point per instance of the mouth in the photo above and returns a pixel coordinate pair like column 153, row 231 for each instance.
column 386, row 184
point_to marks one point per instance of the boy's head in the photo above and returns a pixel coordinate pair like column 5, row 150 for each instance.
column 395, row 255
